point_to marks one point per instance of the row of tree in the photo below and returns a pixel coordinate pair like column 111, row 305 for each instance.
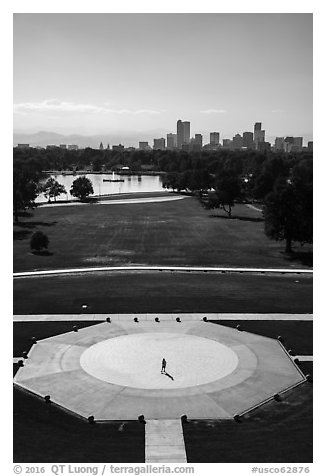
column 283, row 183
column 26, row 188
column 243, row 162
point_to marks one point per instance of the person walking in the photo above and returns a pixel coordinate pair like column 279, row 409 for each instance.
column 163, row 366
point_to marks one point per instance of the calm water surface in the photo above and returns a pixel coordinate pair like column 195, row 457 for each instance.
column 133, row 183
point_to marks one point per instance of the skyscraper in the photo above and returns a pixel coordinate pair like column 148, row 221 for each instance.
column 214, row 138
column 144, row 145
column 297, row 143
column 159, row 144
column 183, row 133
column 248, row 140
column 279, row 144
column 179, row 134
column 186, row 132
column 171, row 141
column 237, row 141
column 259, row 135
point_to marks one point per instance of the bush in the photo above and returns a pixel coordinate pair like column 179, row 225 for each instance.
column 39, row 241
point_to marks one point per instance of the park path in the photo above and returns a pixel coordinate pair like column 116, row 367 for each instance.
column 115, row 202
column 254, row 208
column 162, row 317
column 164, row 442
column 205, row 269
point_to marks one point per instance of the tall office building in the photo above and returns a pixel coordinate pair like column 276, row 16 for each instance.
column 237, row 141
column 171, row 141
column 159, row 144
column 257, row 126
column 279, row 144
column 179, row 134
column 214, row 138
column 263, row 146
column 186, row 132
column 259, row 134
column 310, row 145
column 297, row 143
column 183, row 133
column 143, row 145
column 248, row 140
column 196, row 143
column 198, row 140
column 288, row 143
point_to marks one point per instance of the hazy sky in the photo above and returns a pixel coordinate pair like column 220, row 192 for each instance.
column 102, row 73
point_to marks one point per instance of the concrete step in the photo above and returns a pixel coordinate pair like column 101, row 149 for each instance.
column 164, row 442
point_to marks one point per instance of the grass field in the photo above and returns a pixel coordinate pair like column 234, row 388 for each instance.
column 297, row 335
column 278, row 432
column 126, row 292
column 169, row 233
column 47, row 434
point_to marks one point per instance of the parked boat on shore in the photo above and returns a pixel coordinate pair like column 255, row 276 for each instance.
column 113, row 180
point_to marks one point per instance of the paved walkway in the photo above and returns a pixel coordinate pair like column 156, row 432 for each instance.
column 304, row 358
column 164, row 442
column 254, row 208
column 27, row 274
column 162, row 317
column 116, row 202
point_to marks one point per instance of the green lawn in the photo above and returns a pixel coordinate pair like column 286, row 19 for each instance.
column 46, row 434
column 168, row 233
column 24, row 331
column 278, row 432
column 297, row 335
column 126, row 292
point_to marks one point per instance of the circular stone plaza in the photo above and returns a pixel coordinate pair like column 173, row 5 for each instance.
column 112, row 370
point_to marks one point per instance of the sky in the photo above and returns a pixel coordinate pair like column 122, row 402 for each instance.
column 137, row 74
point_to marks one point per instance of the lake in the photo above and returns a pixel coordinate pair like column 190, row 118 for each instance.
column 130, row 184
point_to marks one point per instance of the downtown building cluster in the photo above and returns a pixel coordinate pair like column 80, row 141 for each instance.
column 181, row 140
column 254, row 140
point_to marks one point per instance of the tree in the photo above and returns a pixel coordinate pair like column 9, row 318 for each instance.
column 227, row 189
column 52, row 189
column 283, row 211
column 271, row 171
column 39, row 241
column 97, row 164
column 24, row 188
column 302, row 179
column 81, row 188
column 171, row 180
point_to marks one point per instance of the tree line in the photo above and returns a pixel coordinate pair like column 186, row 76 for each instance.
column 283, row 183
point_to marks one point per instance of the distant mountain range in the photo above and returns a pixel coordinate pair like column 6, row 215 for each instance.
column 44, row 138
column 128, row 139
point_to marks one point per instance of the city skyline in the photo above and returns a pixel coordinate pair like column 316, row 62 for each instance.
column 98, row 74
column 181, row 137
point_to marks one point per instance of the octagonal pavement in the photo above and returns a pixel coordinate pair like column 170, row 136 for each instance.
column 112, row 370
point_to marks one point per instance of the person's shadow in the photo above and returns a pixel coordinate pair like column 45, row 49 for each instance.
column 168, row 375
